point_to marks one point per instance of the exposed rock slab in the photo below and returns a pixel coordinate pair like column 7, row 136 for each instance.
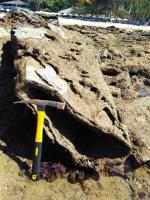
column 67, row 69
column 127, row 75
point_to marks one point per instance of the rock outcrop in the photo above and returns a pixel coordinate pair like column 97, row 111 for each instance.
column 127, row 73
column 98, row 77
column 50, row 66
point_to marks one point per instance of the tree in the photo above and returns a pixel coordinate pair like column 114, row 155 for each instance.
column 57, row 5
column 133, row 9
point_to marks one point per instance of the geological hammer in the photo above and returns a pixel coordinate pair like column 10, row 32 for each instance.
column 41, row 104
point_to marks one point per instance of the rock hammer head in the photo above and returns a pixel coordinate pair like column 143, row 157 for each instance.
column 43, row 103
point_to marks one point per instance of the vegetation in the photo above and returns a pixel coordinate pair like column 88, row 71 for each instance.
column 138, row 10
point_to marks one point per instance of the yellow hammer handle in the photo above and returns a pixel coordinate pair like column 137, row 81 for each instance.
column 38, row 145
column 40, row 124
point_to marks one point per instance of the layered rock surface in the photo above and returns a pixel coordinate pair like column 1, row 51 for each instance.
column 54, row 67
column 65, row 64
column 124, row 58
column 94, row 75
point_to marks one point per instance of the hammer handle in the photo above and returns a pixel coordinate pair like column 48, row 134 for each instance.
column 38, row 146
column 36, row 161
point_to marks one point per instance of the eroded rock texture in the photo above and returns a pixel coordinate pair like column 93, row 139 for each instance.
column 124, row 58
column 59, row 64
column 98, row 73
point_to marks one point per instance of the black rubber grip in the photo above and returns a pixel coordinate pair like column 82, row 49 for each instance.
column 36, row 161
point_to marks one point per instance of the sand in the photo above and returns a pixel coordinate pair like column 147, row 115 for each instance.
column 65, row 21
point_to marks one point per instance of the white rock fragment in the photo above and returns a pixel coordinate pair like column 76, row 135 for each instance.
column 28, row 32
column 46, row 76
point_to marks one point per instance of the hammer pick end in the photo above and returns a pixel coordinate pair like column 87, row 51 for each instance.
column 61, row 106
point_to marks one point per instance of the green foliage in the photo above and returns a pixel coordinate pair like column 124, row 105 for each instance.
column 57, row 5
column 53, row 5
column 141, row 10
column 132, row 9
column 36, row 3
